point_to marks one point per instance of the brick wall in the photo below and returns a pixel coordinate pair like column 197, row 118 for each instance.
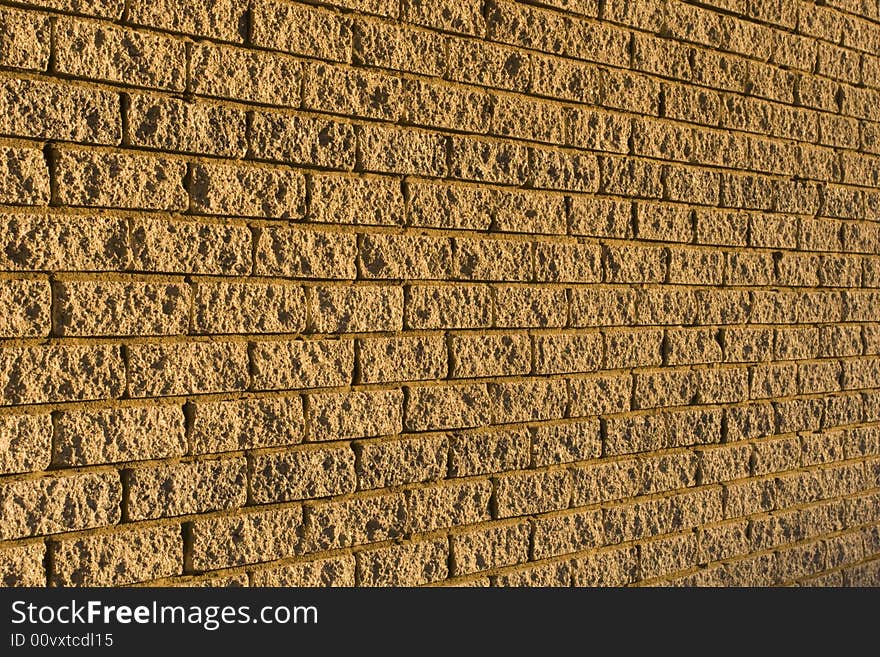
column 397, row 292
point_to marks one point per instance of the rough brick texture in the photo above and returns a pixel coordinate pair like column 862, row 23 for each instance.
column 400, row 293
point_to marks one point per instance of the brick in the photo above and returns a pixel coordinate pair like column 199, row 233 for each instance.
column 567, row 533
column 22, row 565
column 295, row 139
column 529, row 493
column 218, row 189
column 488, row 161
column 217, row 19
column 404, row 257
column 353, row 91
column 186, row 368
column 536, row 399
column 397, row 150
column 356, row 521
column 491, row 547
column 601, row 217
column 440, row 306
column 488, row 452
column 635, row 264
column 446, row 407
column 640, row 348
column 369, row 200
column 117, row 559
column 564, row 170
column 47, row 374
column 460, row 17
column 303, row 474
column 600, row 395
column 122, row 180
column 692, row 267
column 488, row 64
column 381, row 360
column 663, row 222
column 667, row 555
column 59, row 111
column 239, row 74
column 116, row 435
column 356, row 309
column 602, row 307
column 226, row 308
column 606, row 481
column 296, row 253
column 196, row 487
column 25, row 38
column 56, row 243
column 568, row 263
column 476, row 356
column 405, row 461
column 332, row 571
column 407, row 564
column 532, row 119
column 86, row 308
column 541, row 575
column 179, row 247
column 723, row 541
column 25, row 179
column 450, row 206
column 398, row 47
column 26, row 442
column 491, row 260
column 292, row 364
column 28, row 306
column 229, row 426
column 566, row 353
column 566, row 443
column 448, row 505
column 346, row 415
column 52, row 505
column 692, row 346
column 523, row 307
column 528, row 212
column 98, row 51
column 193, row 127
column 301, row 30
column 226, row 541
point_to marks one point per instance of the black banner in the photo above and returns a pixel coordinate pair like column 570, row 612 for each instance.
column 398, row 621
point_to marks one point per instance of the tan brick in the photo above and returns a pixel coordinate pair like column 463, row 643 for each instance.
column 724, row 541
column 667, row 555
column 120, row 558
column 525, row 401
column 247, row 191
column 187, row 247
column 222, row 542
column 45, row 374
column 599, row 395
column 403, row 461
column 609, row 568
column 298, row 253
column 566, row 443
column 115, row 435
column 606, row 481
column 474, row 356
column 628, row 177
column 216, row 19
column 22, row 565
column 58, row 243
column 462, row 17
column 28, row 306
column 525, row 307
column 381, row 360
column 543, row 575
column 99, row 51
column 186, row 368
column 122, row 180
column 692, row 267
column 248, row 308
column 26, row 442
column 445, row 205
column 25, row 37
column 441, row 306
column 639, row 348
column 491, row 260
column 666, row 305
column 635, row 264
column 300, row 29
column 398, row 47
column 665, row 388
column 487, row 452
column 725, row 463
column 602, row 307
column 332, row 571
column 406, row 564
column 65, row 112
column 229, row 426
column 356, row 309
column 490, row 547
column 303, row 474
column 565, row 353
column 448, row 505
column 404, row 257
column 176, row 490
column 370, row 200
column 564, row 170
column 568, row 263
column 193, row 127
column 239, row 74
column 295, row 139
column 532, row 492
column 292, row 364
column 446, row 407
column 353, row 91
column 398, row 150
column 51, row 505
column 86, row 308
column 488, row 161
column 356, row 521
column 25, row 177
column 567, row 532
column 690, row 346
column 346, row 415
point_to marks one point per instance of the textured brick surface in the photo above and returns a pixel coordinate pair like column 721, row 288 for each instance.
column 402, row 293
